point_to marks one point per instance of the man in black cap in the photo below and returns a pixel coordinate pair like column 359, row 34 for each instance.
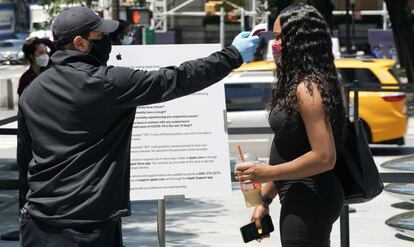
column 75, row 124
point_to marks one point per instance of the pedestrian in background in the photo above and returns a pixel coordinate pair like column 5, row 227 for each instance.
column 123, row 35
column 308, row 117
column 37, row 55
column 74, row 129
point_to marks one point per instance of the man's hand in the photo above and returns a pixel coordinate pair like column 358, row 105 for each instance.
column 246, row 45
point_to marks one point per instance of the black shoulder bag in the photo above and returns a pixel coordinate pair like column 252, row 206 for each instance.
column 355, row 167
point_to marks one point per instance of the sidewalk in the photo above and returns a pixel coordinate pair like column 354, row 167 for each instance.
column 216, row 222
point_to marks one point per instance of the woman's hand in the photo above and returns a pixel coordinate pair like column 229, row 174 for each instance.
column 253, row 173
column 258, row 214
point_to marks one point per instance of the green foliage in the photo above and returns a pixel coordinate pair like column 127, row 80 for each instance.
column 141, row 3
column 273, row 4
column 272, row 7
column 54, row 7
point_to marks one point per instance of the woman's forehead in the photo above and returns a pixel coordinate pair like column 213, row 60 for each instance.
column 276, row 25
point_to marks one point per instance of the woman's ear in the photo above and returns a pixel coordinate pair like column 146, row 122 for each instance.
column 32, row 58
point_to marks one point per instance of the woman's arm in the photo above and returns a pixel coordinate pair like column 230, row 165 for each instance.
column 49, row 44
column 269, row 190
column 322, row 156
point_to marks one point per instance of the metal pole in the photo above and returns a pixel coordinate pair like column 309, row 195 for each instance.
column 345, row 226
column 222, row 37
column 348, row 101
column 344, row 219
column 242, row 20
column 10, row 101
column 161, row 223
column 348, row 37
column 353, row 22
column 254, row 13
column 356, row 101
column 384, row 15
column 165, row 26
column 144, row 35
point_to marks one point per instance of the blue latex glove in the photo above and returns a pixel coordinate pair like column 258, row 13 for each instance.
column 246, row 45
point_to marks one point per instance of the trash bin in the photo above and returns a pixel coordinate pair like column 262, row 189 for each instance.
column 149, row 37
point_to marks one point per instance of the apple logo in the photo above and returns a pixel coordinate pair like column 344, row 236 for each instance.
column 119, row 56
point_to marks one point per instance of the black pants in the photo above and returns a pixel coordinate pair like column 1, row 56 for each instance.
column 307, row 215
column 36, row 233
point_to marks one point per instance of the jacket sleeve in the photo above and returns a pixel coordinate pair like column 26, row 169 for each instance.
column 24, row 156
column 131, row 88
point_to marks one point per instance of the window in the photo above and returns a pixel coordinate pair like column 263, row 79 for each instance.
column 361, row 75
column 247, row 96
column 394, row 71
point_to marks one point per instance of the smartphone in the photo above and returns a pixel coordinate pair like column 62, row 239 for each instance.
column 249, row 232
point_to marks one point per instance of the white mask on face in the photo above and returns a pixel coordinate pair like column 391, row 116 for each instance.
column 42, row 60
column 127, row 40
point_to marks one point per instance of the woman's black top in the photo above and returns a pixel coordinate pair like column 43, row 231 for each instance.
column 289, row 143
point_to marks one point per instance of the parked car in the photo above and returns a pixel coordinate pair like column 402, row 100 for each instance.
column 384, row 114
column 248, row 90
column 247, row 94
column 11, row 51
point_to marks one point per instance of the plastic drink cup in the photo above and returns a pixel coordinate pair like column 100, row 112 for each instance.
column 252, row 192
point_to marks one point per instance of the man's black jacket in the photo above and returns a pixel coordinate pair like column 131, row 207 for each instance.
column 75, row 124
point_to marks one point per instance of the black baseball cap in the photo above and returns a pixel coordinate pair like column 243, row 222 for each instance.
column 78, row 20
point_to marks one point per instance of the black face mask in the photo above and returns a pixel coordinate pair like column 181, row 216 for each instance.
column 101, row 48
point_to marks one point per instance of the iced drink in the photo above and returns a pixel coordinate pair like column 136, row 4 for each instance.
column 252, row 192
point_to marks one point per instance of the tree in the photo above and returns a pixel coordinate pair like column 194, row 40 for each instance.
column 325, row 7
column 275, row 7
column 54, row 7
column 400, row 16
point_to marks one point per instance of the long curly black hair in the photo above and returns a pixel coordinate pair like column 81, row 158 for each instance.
column 307, row 58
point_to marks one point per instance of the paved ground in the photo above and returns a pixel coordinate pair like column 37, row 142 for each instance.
column 215, row 222
column 11, row 71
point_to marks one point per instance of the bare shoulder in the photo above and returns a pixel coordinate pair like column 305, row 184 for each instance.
column 308, row 95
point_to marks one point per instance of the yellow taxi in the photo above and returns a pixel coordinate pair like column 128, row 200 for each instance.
column 383, row 114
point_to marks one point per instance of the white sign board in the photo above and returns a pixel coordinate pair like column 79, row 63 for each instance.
column 178, row 147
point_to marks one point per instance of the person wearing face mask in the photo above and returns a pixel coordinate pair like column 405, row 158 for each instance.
column 35, row 53
column 122, row 35
column 74, row 129
column 307, row 116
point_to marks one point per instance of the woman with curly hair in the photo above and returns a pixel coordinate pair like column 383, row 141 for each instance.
column 307, row 116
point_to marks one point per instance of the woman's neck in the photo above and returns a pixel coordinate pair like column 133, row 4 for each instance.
column 35, row 68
